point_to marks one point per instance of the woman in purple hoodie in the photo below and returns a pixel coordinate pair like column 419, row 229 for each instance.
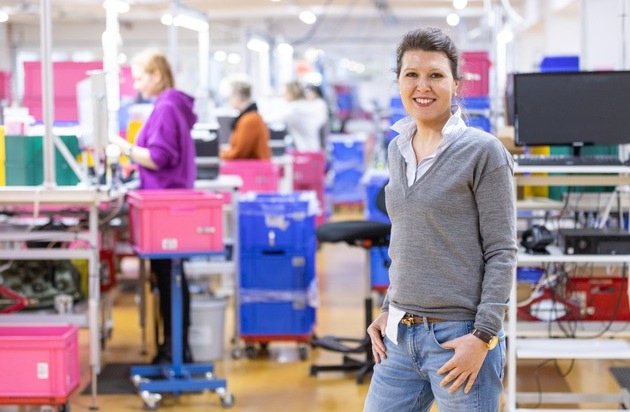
column 165, row 155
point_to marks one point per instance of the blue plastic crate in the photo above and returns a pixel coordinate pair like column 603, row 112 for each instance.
column 480, row 122
column 560, row 64
column 476, row 103
column 289, row 318
column 346, row 186
column 529, row 274
column 347, row 153
column 379, row 267
column 272, row 221
column 277, row 270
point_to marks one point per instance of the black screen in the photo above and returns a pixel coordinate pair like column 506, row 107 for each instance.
column 572, row 108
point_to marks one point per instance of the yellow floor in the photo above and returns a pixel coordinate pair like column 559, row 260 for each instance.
column 280, row 381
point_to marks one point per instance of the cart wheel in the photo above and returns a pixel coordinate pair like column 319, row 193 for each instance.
column 237, row 353
column 313, row 370
column 227, row 400
column 151, row 400
column 250, row 351
column 303, row 352
column 64, row 408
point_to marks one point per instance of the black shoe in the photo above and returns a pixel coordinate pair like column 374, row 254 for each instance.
column 163, row 356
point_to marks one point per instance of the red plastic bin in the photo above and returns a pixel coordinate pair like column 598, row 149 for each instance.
column 257, row 175
column 38, row 361
column 175, row 220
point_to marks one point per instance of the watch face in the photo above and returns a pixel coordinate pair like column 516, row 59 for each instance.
column 493, row 342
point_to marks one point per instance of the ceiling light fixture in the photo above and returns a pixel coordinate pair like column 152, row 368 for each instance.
column 257, row 45
column 285, row 48
column 460, row 4
column 119, row 5
column 4, row 16
column 190, row 20
column 307, row 17
column 452, row 19
column 234, row 58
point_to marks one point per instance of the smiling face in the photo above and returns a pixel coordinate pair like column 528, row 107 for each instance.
column 427, row 86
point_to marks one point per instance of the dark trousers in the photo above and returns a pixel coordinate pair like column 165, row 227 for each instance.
column 161, row 268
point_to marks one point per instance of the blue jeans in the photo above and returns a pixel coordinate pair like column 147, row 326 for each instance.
column 407, row 379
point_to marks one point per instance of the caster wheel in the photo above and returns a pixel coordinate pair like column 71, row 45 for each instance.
column 303, row 352
column 237, row 353
column 227, row 400
column 313, row 371
column 151, row 400
column 250, row 352
column 64, row 408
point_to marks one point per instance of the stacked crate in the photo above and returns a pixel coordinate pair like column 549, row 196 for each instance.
column 24, row 161
column 476, row 89
column 277, row 289
column 309, row 171
column 347, row 157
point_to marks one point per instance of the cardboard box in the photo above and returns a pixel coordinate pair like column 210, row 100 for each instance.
column 506, row 136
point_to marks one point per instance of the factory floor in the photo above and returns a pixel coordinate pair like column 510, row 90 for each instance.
column 278, row 380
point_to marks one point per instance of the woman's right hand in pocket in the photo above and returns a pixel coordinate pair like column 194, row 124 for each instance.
column 376, row 331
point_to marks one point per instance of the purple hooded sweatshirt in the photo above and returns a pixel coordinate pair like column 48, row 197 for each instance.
column 166, row 134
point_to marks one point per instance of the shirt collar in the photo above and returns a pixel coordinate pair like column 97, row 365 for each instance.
column 453, row 127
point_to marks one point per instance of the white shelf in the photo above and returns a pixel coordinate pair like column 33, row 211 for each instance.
column 572, row 349
column 571, row 169
column 562, row 258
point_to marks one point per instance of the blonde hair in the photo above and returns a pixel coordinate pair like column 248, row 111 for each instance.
column 153, row 60
column 294, row 90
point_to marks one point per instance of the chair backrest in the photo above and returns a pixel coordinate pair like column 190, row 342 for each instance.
column 380, row 200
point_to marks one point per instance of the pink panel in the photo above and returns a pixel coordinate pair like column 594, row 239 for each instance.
column 257, row 175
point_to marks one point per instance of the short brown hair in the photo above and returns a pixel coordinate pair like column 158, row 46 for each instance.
column 429, row 39
column 153, row 60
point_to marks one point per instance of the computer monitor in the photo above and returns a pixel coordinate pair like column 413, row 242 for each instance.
column 92, row 110
column 206, row 140
column 225, row 128
column 571, row 108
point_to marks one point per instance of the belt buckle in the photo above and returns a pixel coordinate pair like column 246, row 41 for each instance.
column 407, row 320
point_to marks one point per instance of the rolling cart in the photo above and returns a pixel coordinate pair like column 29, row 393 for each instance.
column 194, row 228
column 277, row 289
column 176, row 378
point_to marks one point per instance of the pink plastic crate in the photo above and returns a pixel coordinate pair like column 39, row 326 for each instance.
column 309, row 168
column 175, row 220
column 257, row 175
column 38, row 361
column 476, row 70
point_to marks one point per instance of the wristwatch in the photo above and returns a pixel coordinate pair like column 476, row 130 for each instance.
column 129, row 151
column 489, row 339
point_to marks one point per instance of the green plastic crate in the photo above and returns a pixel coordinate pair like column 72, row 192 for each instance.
column 25, row 158
column 557, row 192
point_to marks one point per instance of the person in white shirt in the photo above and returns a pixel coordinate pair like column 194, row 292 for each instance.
column 301, row 119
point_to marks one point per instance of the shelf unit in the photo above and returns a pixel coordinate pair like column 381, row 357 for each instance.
column 89, row 198
column 558, row 348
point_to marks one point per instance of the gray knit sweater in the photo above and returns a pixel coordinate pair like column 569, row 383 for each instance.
column 453, row 240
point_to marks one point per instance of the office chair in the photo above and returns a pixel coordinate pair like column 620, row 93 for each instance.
column 366, row 234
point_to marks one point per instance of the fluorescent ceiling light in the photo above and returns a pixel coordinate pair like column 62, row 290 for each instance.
column 119, row 5
column 4, row 16
column 220, row 55
column 452, row 19
column 307, row 17
column 505, row 36
column 234, row 58
column 460, row 4
column 185, row 21
column 258, row 45
column 285, row 48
